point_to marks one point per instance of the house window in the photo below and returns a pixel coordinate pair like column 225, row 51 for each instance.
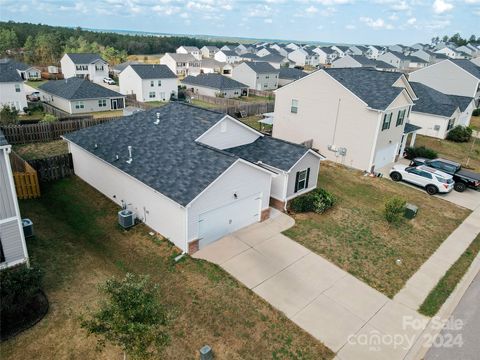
column 451, row 122
column 301, row 180
column 152, row 83
column 294, row 107
column 2, row 255
column 151, row 94
column 159, row 82
column 102, row 103
column 79, row 105
column 17, row 87
column 387, row 119
column 400, row 117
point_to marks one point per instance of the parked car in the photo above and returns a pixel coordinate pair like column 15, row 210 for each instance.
column 463, row 178
column 109, row 81
column 34, row 96
column 432, row 180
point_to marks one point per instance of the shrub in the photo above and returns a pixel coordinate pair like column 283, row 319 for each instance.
column 421, row 151
column 393, row 209
column 48, row 118
column 460, row 134
column 18, row 286
column 8, row 115
column 318, row 200
column 476, row 112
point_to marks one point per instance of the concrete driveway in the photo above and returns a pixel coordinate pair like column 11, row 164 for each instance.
column 333, row 306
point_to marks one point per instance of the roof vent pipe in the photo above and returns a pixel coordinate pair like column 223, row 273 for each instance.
column 130, row 159
column 158, row 119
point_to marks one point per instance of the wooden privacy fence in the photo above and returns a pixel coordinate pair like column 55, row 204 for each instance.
column 266, row 94
column 235, row 107
column 42, row 132
column 54, row 167
column 25, row 178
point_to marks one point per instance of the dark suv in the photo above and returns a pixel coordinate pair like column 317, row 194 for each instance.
column 463, row 178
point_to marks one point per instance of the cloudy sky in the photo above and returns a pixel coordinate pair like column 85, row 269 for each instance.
column 348, row 21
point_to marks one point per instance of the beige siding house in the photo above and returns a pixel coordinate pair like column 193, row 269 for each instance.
column 191, row 174
column 78, row 96
column 356, row 117
column 257, row 75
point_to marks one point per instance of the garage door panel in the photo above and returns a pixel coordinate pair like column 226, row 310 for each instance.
column 219, row 222
column 385, row 156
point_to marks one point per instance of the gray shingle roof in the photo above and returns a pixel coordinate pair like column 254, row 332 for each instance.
column 326, row 50
column 15, row 64
column 431, row 101
column 372, row 86
column 153, row 71
column 379, row 64
column 468, row 66
column 363, row 60
column 272, row 58
column 409, row 128
column 275, row 152
column 461, row 101
column 262, row 67
column 3, row 140
column 84, row 58
column 250, row 56
column 214, row 81
column 182, row 57
column 8, row 73
column 76, row 88
column 291, row 73
column 229, row 52
column 165, row 156
column 122, row 66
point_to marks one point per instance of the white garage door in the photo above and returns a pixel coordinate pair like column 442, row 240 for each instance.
column 217, row 223
column 385, row 156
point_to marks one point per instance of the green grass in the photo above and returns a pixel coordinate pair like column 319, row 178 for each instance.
column 35, row 114
column 79, row 245
column 449, row 281
column 41, row 150
column 475, row 122
column 35, row 84
column 204, row 104
column 355, row 235
column 255, row 98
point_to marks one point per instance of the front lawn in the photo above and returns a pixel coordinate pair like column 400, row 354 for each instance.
column 41, row 150
column 35, row 83
column 355, row 235
column 475, row 122
column 79, row 244
column 468, row 154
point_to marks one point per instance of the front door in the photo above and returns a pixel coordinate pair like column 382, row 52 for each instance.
column 114, row 103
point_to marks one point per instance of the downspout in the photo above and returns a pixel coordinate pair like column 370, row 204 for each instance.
column 285, row 187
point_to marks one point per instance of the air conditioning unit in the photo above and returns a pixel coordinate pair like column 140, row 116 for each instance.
column 126, row 218
column 27, row 225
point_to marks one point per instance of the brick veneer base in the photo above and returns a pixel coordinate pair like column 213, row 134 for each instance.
column 265, row 214
column 193, row 247
column 277, row 204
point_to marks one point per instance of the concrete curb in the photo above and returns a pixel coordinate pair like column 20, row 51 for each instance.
column 420, row 348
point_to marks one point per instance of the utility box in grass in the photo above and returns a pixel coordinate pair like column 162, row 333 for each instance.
column 410, row 211
column 206, row 353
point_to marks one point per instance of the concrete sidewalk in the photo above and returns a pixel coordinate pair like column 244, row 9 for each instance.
column 351, row 318
column 426, row 278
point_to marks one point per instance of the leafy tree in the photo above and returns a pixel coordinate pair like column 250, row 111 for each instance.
column 472, row 39
column 8, row 40
column 130, row 317
column 48, row 118
column 445, row 38
column 29, row 49
column 47, row 49
column 8, row 115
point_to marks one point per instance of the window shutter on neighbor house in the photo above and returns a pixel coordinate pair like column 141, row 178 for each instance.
column 307, row 179
column 296, row 181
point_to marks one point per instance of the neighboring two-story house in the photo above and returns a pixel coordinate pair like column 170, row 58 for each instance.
column 215, row 85
column 84, row 65
column 181, row 64
column 257, row 75
column 357, row 116
column 227, row 56
column 12, row 91
column 303, row 57
column 76, row 96
column 373, row 52
column 209, row 51
column 192, row 50
column 149, row 82
column 452, row 77
column 325, row 55
column 13, row 249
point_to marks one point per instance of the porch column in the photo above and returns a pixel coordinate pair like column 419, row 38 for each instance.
column 414, row 136
column 403, row 145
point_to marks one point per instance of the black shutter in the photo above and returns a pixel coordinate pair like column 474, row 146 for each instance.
column 296, row 181
column 308, row 178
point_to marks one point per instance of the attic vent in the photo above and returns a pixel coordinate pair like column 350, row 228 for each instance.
column 158, row 119
column 130, row 158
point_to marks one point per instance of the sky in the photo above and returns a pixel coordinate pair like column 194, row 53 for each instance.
column 340, row 21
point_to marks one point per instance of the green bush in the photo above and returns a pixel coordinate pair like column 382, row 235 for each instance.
column 421, row 151
column 18, row 286
column 8, row 115
column 460, row 134
column 394, row 209
column 318, row 200
column 48, row 118
column 476, row 112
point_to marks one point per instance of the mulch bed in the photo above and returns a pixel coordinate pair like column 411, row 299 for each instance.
column 34, row 312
